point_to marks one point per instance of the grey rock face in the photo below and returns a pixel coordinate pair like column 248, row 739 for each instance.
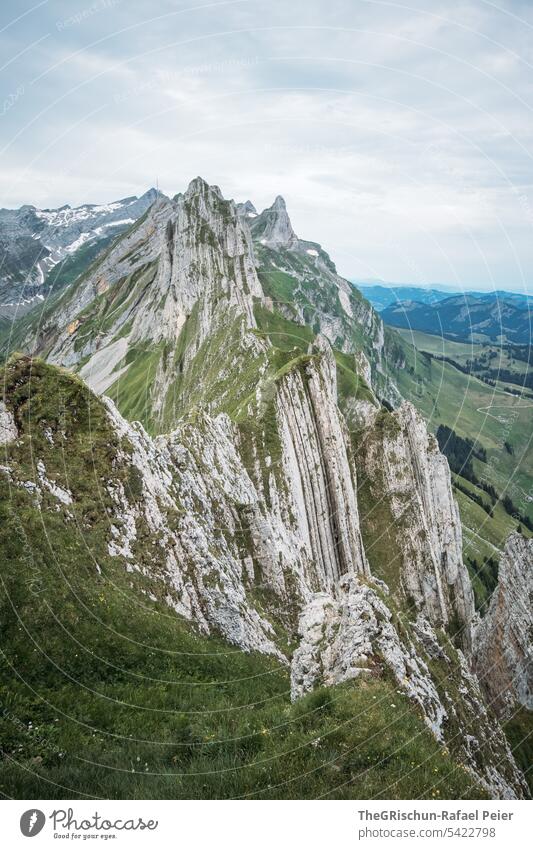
column 353, row 635
column 8, row 428
column 195, row 474
column 341, row 639
column 209, row 253
column 21, row 251
column 317, row 463
column 410, row 479
column 503, row 645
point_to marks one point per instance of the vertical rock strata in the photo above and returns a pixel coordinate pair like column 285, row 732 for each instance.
column 320, row 475
column 503, row 645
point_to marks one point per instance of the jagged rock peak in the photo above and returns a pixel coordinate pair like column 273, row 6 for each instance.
column 198, row 186
column 247, row 209
column 273, row 227
column 503, row 650
column 205, row 255
column 150, row 195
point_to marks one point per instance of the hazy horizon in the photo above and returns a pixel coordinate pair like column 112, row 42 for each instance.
column 438, row 286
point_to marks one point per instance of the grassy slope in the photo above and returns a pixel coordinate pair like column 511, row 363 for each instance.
column 480, row 412
column 520, row 736
column 288, row 336
column 107, row 694
column 209, row 374
column 291, row 279
column 206, row 378
column 461, row 352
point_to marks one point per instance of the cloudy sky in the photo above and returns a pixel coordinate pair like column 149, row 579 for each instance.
column 399, row 133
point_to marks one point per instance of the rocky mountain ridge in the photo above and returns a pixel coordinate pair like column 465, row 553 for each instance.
column 300, row 280
column 152, row 260
column 281, row 505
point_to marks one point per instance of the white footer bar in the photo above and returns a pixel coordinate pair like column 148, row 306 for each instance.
column 267, row 825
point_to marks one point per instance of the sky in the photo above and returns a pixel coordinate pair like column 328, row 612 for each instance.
column 399, row 133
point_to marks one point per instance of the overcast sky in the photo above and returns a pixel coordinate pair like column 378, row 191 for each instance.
column 400, row 134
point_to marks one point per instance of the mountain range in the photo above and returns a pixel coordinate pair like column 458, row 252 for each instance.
column 207, row 447
column 41, row 248
column 382, row 295
column 501, row 317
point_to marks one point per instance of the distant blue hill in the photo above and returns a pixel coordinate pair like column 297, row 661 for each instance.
column 383, row 295
column 469, row 316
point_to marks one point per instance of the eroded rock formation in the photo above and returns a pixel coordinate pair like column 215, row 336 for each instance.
column 504, row 639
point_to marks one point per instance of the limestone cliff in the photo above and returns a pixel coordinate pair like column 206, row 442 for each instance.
column 413, row 529
column 361, row 632
column 503, row 645
column 316, row 455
